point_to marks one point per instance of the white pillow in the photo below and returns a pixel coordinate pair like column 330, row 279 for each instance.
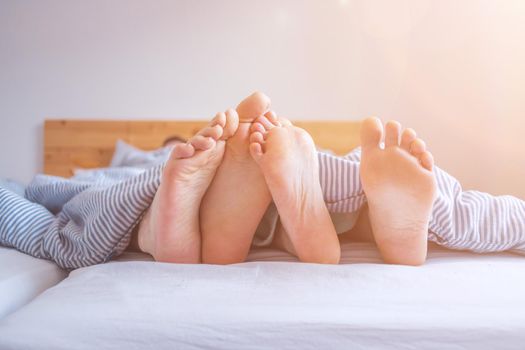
column 127, row 155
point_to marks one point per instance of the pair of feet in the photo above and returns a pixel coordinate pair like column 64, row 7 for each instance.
column 216, row 188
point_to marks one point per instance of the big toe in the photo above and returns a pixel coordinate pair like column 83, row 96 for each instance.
column 253, row 106
column 371, row 133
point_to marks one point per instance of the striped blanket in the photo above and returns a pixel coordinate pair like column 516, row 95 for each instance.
column 81, row 221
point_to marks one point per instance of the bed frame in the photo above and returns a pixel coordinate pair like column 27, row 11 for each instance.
column 72, row 144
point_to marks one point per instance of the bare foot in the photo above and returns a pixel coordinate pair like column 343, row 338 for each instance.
column 400, row 188
column 170, row 230
column 238, row 196
column 288, row 160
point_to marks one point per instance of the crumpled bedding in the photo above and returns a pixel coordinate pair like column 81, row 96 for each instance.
column 76, row 222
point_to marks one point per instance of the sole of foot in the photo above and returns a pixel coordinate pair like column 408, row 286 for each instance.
column 238, row 196
column 400, row 187
column 288, row 159
column 170, row 230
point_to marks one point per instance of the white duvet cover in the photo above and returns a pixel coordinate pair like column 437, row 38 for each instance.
column 456, row 301
column 23, row 277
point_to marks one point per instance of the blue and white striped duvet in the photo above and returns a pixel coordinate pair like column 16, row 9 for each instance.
column 77, row 222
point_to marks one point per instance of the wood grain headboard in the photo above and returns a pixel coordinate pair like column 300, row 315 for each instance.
column 72, row 144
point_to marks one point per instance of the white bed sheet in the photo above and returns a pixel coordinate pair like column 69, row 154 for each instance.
column 23, row 277
column 456, row 301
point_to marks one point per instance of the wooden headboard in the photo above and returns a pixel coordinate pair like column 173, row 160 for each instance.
column 72, row 144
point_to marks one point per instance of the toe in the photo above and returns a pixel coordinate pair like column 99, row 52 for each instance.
column 220, row 119
column 371, row 133
column 392, row 133
column 202, row 143
column 182, row 150
column 408, row 136
column 272, row 117
column 256, row 151
column 215, row 132
column 285, row 122
column 267, row 124
column 255, row 105
column 257, row 143
column 427, row 160
column 231, row 124
column 257, row 137
column 257, row 127
column 417, row 147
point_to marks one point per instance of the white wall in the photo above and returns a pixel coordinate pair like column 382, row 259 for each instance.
column 454, row 70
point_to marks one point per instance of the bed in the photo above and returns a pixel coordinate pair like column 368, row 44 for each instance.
column 457, row 300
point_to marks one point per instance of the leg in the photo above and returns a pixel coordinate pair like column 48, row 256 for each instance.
column 170, row 230
column 238, row 196
column 288, row 160
column 400, row 187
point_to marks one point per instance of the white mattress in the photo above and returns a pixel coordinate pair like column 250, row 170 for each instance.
column 23, row 277
column 456, row 301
